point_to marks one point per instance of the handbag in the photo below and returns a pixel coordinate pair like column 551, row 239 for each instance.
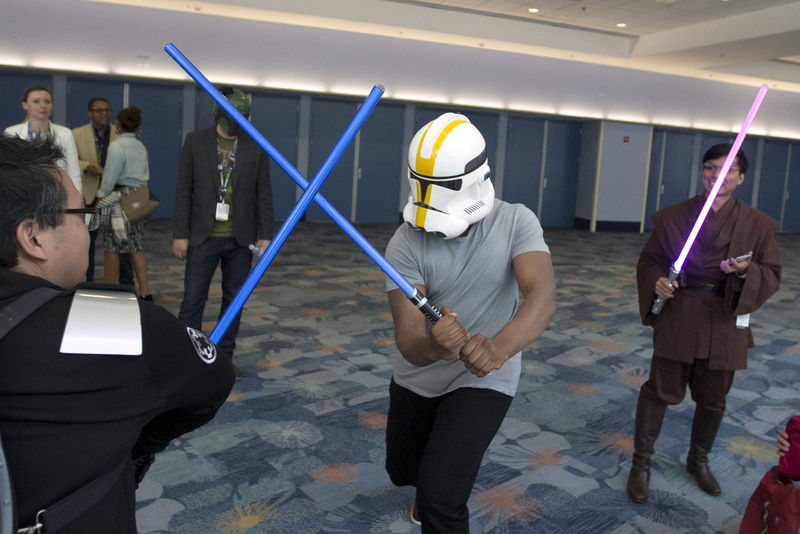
column 138, row 203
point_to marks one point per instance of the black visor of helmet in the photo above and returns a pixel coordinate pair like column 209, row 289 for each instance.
column 470, row 166
column 449, row 183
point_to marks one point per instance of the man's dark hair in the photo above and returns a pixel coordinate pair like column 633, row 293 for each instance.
column 29, row 189
column 722, row 151
column 96, row 99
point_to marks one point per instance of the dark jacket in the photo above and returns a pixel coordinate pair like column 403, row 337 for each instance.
column 197, row 190
column 702, row 324
column 68, row 418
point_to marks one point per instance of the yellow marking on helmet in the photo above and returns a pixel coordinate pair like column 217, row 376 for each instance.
column 424, row 165
column 422, row 213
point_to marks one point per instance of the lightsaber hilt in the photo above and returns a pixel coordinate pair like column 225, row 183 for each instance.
column 424, row 305
column 658, row 304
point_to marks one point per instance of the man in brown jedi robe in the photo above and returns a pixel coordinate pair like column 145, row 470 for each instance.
column 702, row 334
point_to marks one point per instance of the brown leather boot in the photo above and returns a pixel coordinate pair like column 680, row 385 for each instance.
column 649, row 416
column 638, row 487
column 704, row 431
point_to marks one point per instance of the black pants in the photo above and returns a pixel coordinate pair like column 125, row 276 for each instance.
column 437, row 444
column 201, row 263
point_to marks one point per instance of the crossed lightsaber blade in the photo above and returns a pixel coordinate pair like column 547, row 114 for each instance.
column 310, row 193
column 675, row 270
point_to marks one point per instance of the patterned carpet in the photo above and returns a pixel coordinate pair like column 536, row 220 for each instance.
column 299, row 446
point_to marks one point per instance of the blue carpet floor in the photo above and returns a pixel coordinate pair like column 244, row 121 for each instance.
column 299, row 445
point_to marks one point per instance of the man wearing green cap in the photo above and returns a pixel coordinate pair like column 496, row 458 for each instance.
column 223, row 205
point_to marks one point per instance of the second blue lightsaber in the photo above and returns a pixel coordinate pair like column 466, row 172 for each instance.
column 417, row 298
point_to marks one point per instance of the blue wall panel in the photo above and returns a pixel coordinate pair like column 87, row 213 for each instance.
column 276, row 117
column 203, row 110
column 381, row 163
column 561, row 173
column 161, row 105
column 653, row 186
column 791, row 213
column 745, row 191
column 523, row 161
column 329, row 119
column 773, row 174
column 677, row 168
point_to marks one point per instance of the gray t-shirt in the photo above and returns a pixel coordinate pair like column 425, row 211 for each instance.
column 473, row 275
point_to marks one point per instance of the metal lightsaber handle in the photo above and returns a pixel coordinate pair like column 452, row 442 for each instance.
column 423, row 304
column 409, row 290
column 658, row 304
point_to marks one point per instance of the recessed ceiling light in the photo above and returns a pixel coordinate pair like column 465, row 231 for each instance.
column 621, row 25
column 533, row 10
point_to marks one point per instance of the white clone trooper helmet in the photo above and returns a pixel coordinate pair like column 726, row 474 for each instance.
column 448, row 174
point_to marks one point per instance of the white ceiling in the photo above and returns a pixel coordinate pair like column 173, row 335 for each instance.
column 641, row 17
column 756, row 38
column 569, row 58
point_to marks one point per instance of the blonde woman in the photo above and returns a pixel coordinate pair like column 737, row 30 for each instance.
column 37, row 101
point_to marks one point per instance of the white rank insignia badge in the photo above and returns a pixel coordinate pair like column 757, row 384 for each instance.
column 204, row 347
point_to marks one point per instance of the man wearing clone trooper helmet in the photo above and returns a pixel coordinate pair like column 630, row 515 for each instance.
column 450, row 185
column 453, row 381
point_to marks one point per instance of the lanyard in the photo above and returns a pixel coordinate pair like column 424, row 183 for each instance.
column 225, row 174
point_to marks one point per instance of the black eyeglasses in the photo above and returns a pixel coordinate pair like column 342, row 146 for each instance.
column 91, row 216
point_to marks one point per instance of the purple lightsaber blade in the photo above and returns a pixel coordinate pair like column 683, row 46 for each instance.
column 723, row 172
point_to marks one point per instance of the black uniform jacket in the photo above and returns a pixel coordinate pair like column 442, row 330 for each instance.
column 68, row 418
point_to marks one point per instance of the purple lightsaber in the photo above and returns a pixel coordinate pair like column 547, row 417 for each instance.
column 723, row 172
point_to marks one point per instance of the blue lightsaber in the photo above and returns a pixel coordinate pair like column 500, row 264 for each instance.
column 417, row 298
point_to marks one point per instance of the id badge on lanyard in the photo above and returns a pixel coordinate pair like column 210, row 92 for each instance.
column 223, row 209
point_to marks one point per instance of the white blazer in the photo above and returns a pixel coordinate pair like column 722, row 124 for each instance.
column 65, row 141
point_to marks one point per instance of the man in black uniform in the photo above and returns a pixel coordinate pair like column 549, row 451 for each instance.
column 81, row 403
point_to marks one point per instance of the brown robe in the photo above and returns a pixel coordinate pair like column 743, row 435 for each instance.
column 698, row 324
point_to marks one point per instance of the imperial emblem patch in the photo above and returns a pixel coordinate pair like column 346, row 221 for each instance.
column 204, row 347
